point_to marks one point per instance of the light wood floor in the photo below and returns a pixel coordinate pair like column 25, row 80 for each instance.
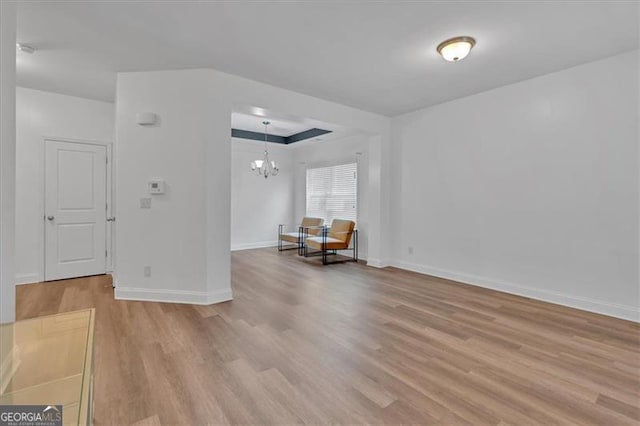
column 303, row 343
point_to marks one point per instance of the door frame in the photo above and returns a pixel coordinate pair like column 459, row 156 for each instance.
column 110, row 226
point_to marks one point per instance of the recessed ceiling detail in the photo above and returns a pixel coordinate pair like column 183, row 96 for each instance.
column 285, row 140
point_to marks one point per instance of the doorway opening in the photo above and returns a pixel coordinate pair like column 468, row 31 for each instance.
column 303, row 147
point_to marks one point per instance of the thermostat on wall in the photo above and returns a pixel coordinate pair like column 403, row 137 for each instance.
column 156, row 186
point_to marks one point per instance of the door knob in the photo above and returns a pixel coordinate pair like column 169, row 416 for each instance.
column 111, row 219
column 50, row 217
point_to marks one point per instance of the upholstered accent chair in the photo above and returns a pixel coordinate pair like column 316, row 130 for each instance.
column 308, row 226
column 331, row 240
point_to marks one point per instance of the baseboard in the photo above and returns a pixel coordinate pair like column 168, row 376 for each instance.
column 114, row 279
column 248, row 246
column 378, row 263
column 626, row 312
column 172, row 296
column 28, row 278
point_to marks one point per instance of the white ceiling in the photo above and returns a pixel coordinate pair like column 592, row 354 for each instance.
column 377, row 56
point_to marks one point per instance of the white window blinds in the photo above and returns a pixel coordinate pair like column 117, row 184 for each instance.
column 332, row 192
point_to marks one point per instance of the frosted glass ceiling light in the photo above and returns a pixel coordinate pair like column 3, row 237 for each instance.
column 456, row 48
column 265, row 167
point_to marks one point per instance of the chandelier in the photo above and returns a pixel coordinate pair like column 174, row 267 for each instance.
column 265, row 167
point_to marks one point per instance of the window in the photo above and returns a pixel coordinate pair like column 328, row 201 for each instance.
column 332, row 192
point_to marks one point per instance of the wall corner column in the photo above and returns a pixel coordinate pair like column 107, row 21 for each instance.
column 7, row 159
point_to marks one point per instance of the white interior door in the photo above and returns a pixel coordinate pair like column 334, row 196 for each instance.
column 75, row 209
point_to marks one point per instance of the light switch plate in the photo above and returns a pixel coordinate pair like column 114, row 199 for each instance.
column 145, row 203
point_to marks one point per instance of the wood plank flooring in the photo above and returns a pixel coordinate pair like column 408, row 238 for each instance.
column 349, row 344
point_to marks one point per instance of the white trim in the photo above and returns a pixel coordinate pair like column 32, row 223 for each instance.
column 377, row 263
column 31, row 278
column 172, row 296
column 249, row 246
column 72, row 140
column 114, row 279
column 111, row 226
column 626, row 312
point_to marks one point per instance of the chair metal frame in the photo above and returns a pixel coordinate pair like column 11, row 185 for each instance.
column 281, row 247
column 303, row 250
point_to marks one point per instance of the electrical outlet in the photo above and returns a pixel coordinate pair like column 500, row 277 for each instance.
column 147, row 271
column 145, row 203
column 410, row 249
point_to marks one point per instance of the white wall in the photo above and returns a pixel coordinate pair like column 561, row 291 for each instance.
column 530, row 188
column 338, row 151
column 259, row 205
column 185, row 238
column 170, row 237
column 40, row 114
column 7, row 161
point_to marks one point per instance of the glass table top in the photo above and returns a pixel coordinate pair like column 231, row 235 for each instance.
column 43, row 361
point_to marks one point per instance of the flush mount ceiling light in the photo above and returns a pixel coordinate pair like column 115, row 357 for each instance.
column 265, row 167
column 457, row 48
column 25, row 48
